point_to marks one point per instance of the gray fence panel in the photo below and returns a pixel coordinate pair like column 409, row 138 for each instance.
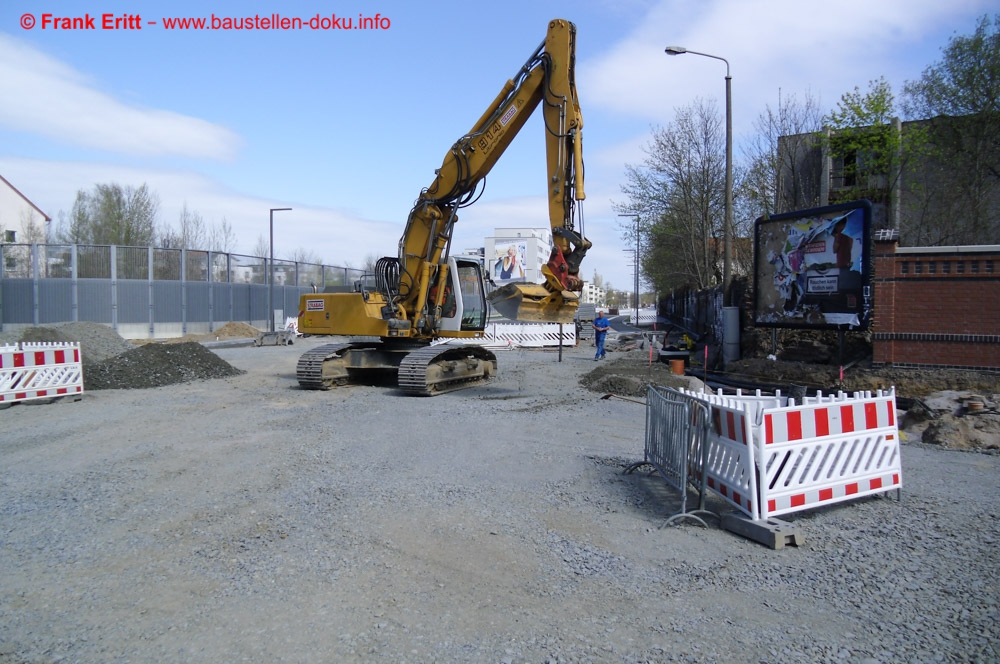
column 18, row 301
column 167, row 302
column 55, row 298
column 95, row 300
column 197, row 302
column 241, row 301
column 222, row 302
column 244, row 306
column 133, row 301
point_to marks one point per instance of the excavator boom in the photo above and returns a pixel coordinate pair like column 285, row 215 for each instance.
column 423, row 294
column 547, row 79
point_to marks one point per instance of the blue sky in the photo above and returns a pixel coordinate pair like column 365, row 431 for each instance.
column 346, row 127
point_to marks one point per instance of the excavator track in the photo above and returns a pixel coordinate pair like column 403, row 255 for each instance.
column 438, row 369
column 314, row 373
column 423, row 371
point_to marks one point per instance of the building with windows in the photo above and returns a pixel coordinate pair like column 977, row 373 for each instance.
column 592, row 294
column 517, row 254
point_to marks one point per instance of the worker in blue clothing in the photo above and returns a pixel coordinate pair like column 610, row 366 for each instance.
column 601, row 327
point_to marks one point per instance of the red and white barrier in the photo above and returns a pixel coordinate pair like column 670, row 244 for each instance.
column 770, row 456
column 819, row 454
column 40, row 371
column 534, row 335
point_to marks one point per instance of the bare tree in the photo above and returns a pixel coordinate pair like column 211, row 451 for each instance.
column 222, row 237
column 263, row 248
column 32, row 229
column 677, row 200
column 303, row 255
column 778, row 177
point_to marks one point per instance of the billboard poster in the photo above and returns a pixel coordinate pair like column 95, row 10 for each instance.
column 508, row 263
column 813, row 268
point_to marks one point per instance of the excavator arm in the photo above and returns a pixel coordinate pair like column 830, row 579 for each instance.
column 546, row 79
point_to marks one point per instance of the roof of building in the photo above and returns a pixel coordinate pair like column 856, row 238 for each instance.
column 26, row 199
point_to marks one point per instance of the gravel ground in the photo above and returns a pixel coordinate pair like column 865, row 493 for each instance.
column 242, row 519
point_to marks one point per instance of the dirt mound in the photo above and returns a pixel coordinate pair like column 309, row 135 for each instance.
column 630, row 374
column 237, row 331
column 914, row 383
column 155, row 365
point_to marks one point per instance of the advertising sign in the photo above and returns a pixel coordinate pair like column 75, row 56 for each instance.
column 813, row 268
column 508, row 263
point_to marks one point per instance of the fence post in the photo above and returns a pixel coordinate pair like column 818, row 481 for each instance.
column 35, row 276
column 113, row 258
column 184, row 287
column 74, row 286
column 211, row 298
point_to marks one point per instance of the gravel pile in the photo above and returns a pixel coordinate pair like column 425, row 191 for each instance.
column 156, row 365
column 97, row 342
column 112, row 363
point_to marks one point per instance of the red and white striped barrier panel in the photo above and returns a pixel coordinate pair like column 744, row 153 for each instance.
column 729, row 464
column 535, row 335
column 771, row 456
column 40, row 371
column 819, row 454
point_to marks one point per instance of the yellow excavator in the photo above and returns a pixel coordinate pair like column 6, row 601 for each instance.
column 425, row 295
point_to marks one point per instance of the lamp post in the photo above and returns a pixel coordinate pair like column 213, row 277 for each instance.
column 270, row 280
column 728, row 223
column 636, row 322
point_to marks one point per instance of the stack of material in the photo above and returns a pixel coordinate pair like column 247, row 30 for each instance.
column 585, row 315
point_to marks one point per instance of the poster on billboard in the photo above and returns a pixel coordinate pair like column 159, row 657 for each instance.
column 812, row 268
column 508, row 263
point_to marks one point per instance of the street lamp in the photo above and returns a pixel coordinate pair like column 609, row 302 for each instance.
column 270, row 285
column 636, row 322
column 728, row 224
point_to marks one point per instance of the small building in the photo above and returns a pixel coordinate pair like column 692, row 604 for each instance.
column 18, row 215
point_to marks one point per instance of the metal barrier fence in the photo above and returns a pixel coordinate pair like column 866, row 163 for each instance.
column 148, row 291
column 676, row 435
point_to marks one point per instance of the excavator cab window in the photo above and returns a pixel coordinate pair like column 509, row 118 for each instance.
column 470, row 282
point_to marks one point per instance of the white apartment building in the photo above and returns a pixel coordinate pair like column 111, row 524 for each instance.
column 592, row 294
column 517, row 254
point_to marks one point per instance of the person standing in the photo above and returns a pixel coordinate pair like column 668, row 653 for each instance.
column 601, row 327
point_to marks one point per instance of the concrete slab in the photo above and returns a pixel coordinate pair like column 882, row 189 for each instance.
column 772, row 532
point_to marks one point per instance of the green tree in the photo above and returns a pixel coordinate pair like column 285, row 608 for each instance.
column 864, row 141
column 958, row 101
column 113, row 214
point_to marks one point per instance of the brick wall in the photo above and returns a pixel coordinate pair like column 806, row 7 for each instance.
column 937, row 306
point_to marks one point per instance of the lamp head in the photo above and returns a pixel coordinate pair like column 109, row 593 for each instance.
column 675, row 50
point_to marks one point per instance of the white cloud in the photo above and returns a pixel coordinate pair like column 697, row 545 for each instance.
column 336, row 237
column 46, row 97
column 791, row 45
